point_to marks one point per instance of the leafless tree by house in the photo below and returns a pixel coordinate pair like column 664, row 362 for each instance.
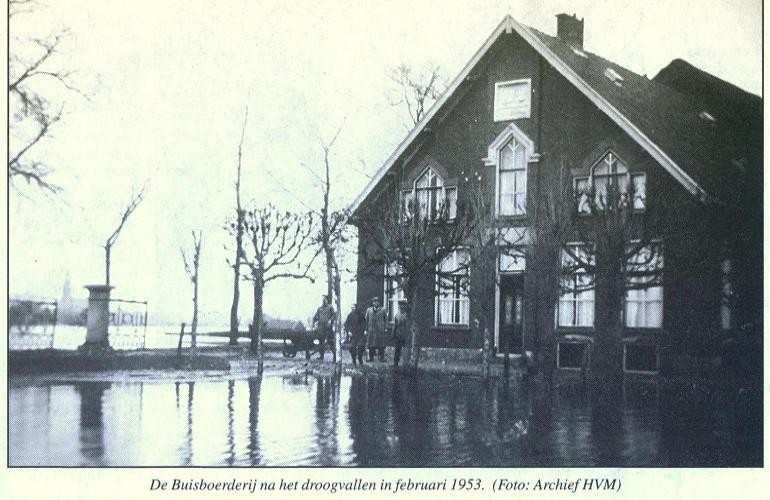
column 626, row 235
column 133, row 204
column 35, row 76
column 192, row 268
column 416, row 91
column 238, row 230
column 279, row 241
column 332, row 234
column 483, row 256
column 547, row 233
column 412, row 243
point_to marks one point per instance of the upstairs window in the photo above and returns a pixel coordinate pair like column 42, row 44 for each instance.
column 512, row 175
column 610, row 178
column 429, row 198
column 452, row 280
column 608, row 185
column 513, row 100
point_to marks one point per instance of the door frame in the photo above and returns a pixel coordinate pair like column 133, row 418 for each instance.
column 498, row 278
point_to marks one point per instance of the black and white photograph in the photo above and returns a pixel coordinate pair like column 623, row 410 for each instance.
column 385, row 235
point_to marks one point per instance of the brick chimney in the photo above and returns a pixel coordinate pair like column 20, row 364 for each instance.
column 570, row 29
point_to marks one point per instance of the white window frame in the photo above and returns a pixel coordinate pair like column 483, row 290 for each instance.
column 392, row 291
column 575, row 298
column 626, row 345
column 509, row 134
column 460, row 299
column 640, row 199
column 522, row 110
column 645, row 297
column 451, row 203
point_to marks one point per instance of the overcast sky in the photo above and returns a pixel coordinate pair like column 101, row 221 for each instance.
column 169, row 82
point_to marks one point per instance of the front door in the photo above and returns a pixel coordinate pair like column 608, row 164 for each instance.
column 511, row 316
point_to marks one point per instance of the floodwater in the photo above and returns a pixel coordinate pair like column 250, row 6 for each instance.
column 381, row 420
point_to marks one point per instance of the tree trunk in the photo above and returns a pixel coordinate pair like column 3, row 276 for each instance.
column 107, row 249
column 547, row 340
column 338, row 316
column 238, row 242
column 179, row 347
column 486, row 354
column 607, row 361
column 194, row 325
column 413, row 357
column 331, row 291
column 506, row 359
column 236, row 281
column 257, row 322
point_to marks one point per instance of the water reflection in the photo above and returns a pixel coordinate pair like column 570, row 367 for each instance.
column 379, row 420
column 91, row 426
column 253, row 447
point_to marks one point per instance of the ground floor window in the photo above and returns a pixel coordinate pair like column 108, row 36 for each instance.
column 644, row 306
column 452, row 302
column 576, row 296
column 572, row 354
column 641, row 358
column 644, row 288
column 393, row 291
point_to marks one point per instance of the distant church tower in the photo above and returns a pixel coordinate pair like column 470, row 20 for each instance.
column 65, row 307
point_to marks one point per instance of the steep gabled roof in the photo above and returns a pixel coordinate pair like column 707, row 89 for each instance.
column 665, row 122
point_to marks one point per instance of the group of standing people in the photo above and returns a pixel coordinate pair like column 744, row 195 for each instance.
column 368, row 331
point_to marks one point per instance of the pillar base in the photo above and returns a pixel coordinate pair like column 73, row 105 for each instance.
column 95, row 348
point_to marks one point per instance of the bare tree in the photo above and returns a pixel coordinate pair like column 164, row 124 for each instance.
column 193, row 272
column 416, row 90
column 333, row 224
column 236, row 265
column 278, row 240
column 548, row 233
column 414, row 241
column 484, row 243
column 133, row 203
column 33, row 73
column 626, row 234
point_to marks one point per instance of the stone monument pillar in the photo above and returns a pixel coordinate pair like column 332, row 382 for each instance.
column 98, row 319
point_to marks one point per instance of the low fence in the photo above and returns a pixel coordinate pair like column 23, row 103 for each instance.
column 128, row 324
column 33, row 325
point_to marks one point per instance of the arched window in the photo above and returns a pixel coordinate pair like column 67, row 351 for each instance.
column 510, row 153
column 430, row 197
column 609, row 184
column 513, row 179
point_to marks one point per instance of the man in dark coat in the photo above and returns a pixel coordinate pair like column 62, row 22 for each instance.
column 375, row 330
column 400, row 330
column 323, row 321
column 355, row 325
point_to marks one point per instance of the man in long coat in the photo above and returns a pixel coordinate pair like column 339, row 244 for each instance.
column 324, row 324
column 355, row 325
column 375, row 330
